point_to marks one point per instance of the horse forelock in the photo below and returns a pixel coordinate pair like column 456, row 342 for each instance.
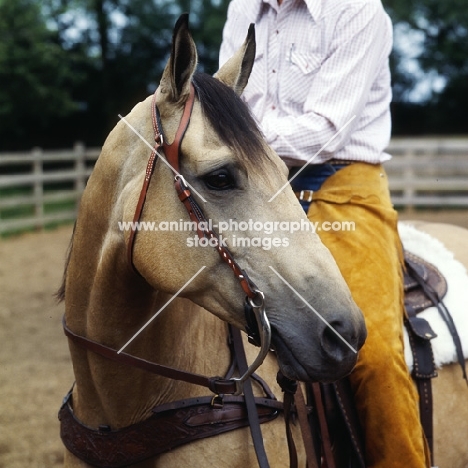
column 232, row 121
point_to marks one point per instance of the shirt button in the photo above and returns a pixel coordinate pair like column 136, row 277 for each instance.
column 273, row 71
column 273, row 107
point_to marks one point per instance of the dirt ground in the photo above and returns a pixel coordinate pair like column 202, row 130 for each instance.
column 35, row 367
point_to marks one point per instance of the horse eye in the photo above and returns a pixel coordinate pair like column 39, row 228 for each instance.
column 219, row 180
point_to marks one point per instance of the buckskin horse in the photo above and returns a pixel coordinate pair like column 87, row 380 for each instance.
column 130, row 378
column 116, row 280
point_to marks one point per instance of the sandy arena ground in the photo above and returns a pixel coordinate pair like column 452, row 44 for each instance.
column 35, row 367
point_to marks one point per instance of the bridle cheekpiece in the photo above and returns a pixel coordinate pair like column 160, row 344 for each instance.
column 258, row 326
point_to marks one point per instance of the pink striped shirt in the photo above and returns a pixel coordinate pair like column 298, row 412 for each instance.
column 321, row 79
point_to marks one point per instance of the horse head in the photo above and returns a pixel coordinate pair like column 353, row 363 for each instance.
column 241, row 185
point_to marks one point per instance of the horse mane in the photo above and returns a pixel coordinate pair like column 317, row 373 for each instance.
column 231, row 119
column 60, row 294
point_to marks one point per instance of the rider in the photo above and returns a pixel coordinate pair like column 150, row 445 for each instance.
column 320, row 89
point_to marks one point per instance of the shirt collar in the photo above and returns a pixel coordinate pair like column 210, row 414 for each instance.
column 314, row 6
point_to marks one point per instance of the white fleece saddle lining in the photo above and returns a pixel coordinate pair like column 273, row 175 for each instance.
column 433, row 251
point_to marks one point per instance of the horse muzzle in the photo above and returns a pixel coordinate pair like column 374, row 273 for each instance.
column 328, row 354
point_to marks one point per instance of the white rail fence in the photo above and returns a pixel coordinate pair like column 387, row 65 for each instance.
column 429, row 172
column 39, row 188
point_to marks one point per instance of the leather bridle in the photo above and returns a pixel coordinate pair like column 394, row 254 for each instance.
column 172, row 153
column 258, row 326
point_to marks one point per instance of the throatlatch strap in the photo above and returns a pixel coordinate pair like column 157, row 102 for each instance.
column 215, row 384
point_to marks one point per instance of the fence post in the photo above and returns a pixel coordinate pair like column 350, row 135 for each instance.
column 80, row 171
column 38, row 188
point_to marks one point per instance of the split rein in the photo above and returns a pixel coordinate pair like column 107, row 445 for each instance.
column 258, row 327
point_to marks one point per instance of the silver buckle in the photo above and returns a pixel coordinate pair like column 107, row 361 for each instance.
column 309, row 198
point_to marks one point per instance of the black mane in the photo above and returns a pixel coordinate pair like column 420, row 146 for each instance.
column 231, row 119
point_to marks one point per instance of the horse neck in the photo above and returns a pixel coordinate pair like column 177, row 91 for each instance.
column 183, row 336
column 109, row 303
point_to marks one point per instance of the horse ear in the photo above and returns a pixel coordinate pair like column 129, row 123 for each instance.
column 177, row 75
column 236, row 71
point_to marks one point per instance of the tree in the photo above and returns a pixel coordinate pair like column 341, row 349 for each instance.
column 443, row 27
column 69, row 67
column 34, row 75
column 129, row 42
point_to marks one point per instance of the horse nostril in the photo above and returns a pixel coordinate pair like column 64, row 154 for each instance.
column 337, row 341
